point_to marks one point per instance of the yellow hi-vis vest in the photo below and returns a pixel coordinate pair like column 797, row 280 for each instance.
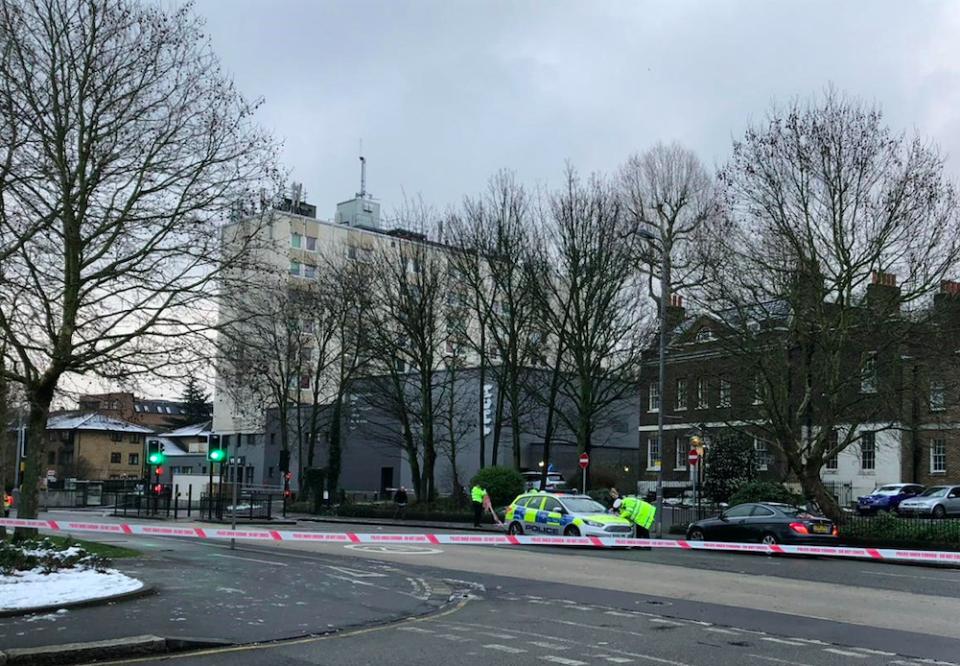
column 477, row 493
column 638, row 511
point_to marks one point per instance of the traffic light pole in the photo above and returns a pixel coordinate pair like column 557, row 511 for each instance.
column 233, row 509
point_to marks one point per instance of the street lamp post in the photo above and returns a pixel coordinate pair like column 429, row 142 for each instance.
column 664, row 300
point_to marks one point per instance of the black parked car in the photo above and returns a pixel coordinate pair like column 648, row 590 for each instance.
column 767, row 523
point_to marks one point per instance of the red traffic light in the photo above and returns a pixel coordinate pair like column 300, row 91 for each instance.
column 158, row 489
column 286, row 493
column 159, row 471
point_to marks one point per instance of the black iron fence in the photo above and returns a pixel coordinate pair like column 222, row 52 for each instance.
column 894, row 528
column 249, row 506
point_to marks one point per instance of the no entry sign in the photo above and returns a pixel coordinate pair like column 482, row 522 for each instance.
column 693, row 457
column 584, row 460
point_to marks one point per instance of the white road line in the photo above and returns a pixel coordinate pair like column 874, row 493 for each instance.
column 845, row 653
column 416, row 630
column 453, row 638
column 527, row 633
column 497, row 635
column 619, row 660
column 618, row 614
column 783, row 642
column 780, row 661
column 548, row 646
column 877, row 652
column 896, row 575
column 562, row 660
column 718, row 630
column 670, row 622
column 657, row 660
column 248, row 559
column 505, row 648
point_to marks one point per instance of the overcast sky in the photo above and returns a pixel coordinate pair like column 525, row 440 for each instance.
column 444, row 93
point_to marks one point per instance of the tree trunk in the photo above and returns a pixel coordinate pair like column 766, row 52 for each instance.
column 497, row 425
column 39, row 398
column 4, row 439
column 814, row 489
column 515, row 420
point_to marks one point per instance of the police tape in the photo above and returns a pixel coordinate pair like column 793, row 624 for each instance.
column 916, row 556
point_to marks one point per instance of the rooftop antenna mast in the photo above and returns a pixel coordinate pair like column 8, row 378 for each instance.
column 363, row 173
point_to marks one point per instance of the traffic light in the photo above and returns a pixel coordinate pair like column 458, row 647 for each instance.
column 284, row 460
column 155, row 452
column 215, row 450
column 159, row 471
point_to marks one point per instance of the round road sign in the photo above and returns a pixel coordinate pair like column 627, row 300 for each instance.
column 693, row 457
column 584, row 460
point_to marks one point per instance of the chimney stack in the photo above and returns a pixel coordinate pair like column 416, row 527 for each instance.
column 883, row 293
column 675, row 311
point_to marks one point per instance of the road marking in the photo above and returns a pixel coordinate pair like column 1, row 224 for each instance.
column 845, row 653
column 454, row 638
column 497, row 635
column 783, row 642
column 526, row 633
column 548, row 646
column 670, row 622
column 877, row 652
column 619, row 614
column 896, row 575
column 247, row 559
column 780, row 661
column 619, row 660
column 718, row 630
column 657, row 660
column 505, row 648
column 562, row 660
column 417, row 630
column 356, row 572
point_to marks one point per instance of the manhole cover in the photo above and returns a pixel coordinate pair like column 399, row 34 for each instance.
column 393, row 549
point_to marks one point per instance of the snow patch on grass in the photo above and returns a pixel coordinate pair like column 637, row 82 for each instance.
column 24, row 590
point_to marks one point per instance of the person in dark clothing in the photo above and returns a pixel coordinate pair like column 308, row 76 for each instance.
column 400, row 499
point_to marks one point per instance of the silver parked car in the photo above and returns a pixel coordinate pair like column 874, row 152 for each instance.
column 939, row 501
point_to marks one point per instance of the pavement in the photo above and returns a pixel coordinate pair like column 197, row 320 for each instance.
column 526, row 605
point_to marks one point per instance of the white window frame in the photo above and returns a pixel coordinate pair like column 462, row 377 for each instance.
column 653, row 397
column 726, row 394
column 868, row 376
column 938, row 454
column 681, row 456
column 296, row 241
column 763, row 453
column 315, row 242
column 938, row 396
column 681, row 395
column 309, row 272
column 653, row 446
column 702, row 393
column 757, row 391
column 295, row 268
column 873, row 452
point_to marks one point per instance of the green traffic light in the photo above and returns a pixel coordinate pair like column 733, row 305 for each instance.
column 216, row 455
column 155, row 458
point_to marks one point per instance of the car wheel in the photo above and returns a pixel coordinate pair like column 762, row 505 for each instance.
column 769, row 539
column 571, row 531
column 515, row 529
column 939, row 511
column 696, row 535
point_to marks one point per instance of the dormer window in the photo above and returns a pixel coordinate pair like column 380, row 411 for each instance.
column 705, row 335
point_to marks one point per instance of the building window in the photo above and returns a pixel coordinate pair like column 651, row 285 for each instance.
column 653, row 453
column 938, row 396
column 414, row 266
column 868, row 451
column 833, row 463
column 868, row 376
column 682, row 451
column 311, row 244
column 701, row 393
column 295, row 268
column 758, row 391
column 938, row 456
column 653, row 398
column 115, row 458
column 306, row 355
column 763, row 454
column 725, row 393
column 310, row 272
column 66, row 457
column 296, row 241
column 136, row 408
column 681, row 394
column 116, row 436
column 135, row 438
column 705, row 335
column 134, row 459
column 250, row 474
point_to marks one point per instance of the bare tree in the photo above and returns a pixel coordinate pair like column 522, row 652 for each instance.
column 494, row 235
column 411, row 300
column 123, row 144
column 592, row 305
column 824, row 206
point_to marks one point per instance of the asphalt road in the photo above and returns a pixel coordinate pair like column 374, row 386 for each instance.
column 584, row 606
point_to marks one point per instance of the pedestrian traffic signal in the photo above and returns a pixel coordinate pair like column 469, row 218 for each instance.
column 159, row 471
column 215, row 450
column 155, row 452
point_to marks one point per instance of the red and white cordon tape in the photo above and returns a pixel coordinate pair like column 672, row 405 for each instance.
column 941, row 557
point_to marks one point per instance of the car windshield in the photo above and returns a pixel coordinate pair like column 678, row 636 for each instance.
column 583, row 505
column 934, row 492
column 888, row 490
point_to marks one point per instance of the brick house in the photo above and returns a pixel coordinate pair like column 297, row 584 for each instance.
column 95, row 447
column 905, row 409
column 156, row 414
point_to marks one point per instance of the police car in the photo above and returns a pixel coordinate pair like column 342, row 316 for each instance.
column 558, row 514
